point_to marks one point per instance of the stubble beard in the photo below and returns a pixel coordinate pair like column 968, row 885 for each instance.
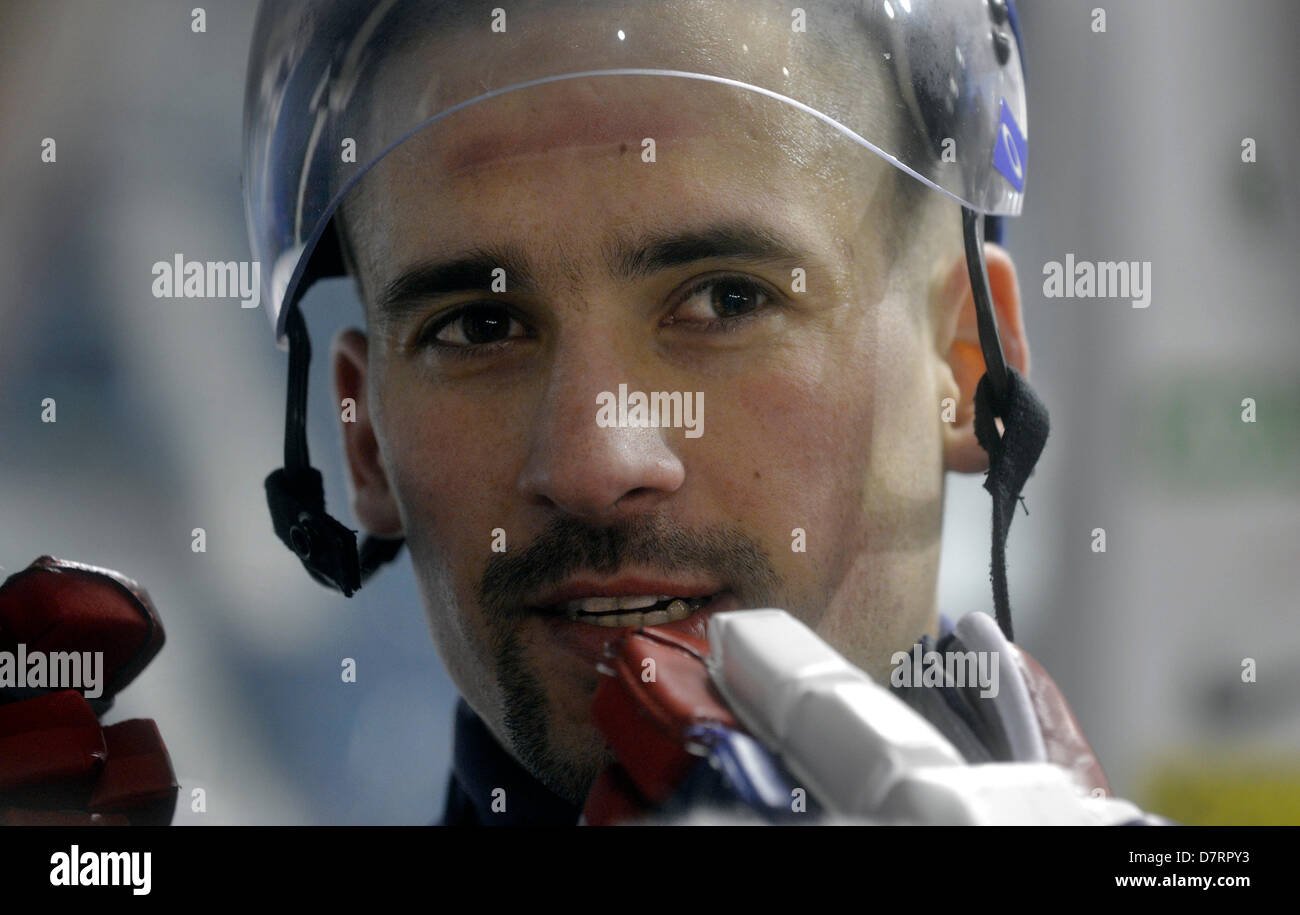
column 528, row 726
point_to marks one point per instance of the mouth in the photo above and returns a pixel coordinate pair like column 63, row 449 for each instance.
column 626, row 602
column 585, row 617
column 630, row 610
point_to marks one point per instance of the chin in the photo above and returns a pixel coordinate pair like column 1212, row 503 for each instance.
column 578, row 755
column 570, row 756
column 549, row 695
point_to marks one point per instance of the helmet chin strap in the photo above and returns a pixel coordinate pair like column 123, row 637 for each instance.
column 1002, row 393
column 296, row 494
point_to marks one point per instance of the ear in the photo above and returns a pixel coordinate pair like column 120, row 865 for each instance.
column 957, row 335
column 372, row 496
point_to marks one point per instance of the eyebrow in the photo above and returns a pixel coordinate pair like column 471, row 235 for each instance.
column 625, row 259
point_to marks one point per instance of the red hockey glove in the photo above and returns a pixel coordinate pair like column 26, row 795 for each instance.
column 58, row 766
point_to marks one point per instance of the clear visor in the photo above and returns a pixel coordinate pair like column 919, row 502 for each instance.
column 932, row 87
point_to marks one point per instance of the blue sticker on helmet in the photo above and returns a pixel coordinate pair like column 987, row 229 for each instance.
column 1010, row 152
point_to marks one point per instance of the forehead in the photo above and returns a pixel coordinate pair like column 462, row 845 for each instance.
column 587, row 112
column 450, row 61
column 562, row 164
column 565, row 161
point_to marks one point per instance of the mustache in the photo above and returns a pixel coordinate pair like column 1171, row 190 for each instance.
column 567, row 546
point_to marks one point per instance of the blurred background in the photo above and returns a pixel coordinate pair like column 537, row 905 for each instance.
column 170, row 412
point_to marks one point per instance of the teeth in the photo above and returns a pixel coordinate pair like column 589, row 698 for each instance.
column 617, row 619
column 677, row 609
column 592, row 605
column 606, row 604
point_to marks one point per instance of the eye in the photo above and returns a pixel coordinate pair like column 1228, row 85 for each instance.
column 480, row 324
column 720, row 299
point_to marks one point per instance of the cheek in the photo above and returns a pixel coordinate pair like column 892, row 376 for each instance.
column 789, row 446
column 450, row 474
column 806, row 429
column 811, row 438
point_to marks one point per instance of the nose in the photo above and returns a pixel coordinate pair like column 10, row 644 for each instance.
column 598, row 474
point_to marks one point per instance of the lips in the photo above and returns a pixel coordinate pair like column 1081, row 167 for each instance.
column 627, row 601
column 631, row 610
column 586, row 635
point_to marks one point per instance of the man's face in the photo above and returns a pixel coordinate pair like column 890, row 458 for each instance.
column 749, row 267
